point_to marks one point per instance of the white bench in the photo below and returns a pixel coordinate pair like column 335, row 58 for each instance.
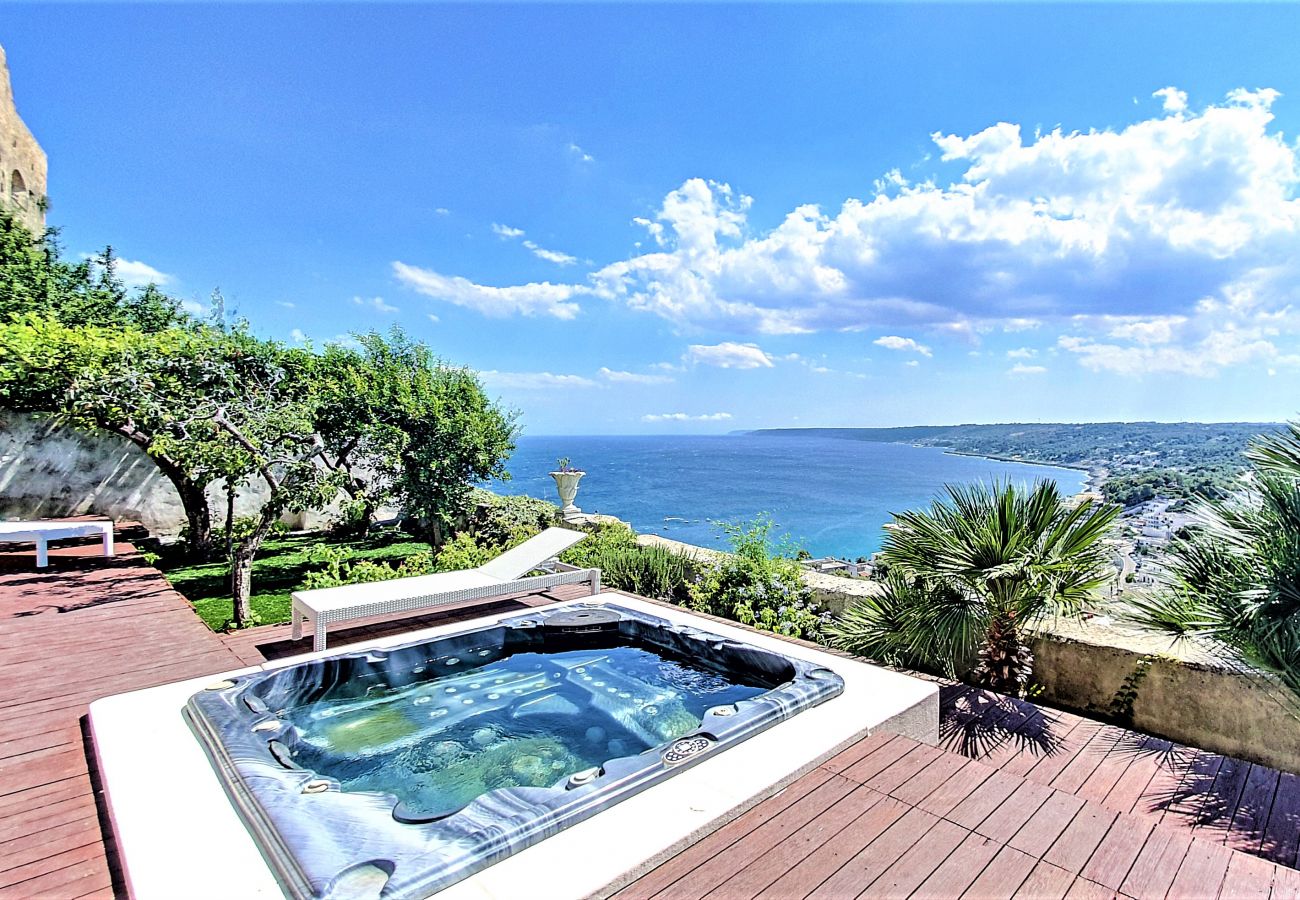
column 41, row 533
column 503, row 575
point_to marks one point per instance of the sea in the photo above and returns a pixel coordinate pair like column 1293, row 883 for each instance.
column 829, row 496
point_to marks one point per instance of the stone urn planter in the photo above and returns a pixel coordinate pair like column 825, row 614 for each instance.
column 566, row 482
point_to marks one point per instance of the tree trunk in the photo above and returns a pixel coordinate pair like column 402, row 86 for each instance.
column 230, row 519
column 1006, row 662
column 193, row 495
column 241, row 569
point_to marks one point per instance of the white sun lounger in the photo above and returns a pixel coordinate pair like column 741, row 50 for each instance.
column 41, row 533
column 503, row 575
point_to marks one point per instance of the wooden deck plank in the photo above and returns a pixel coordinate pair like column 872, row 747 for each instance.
column 1110, row 863
column 1153, row 756
column 850, row 755
column 1002, row 877
column 964, row 781
column 921, row 785
column 1045, row 882
column 1046, row 825
column 956, row 873
column 1220, row 802
column 1248, row 878
column 1202, row 870
column 982, row 801
column 882, row 758
column 1046, row 770
column 1083, row 889
column 1157, row 864
column 1247, row 831
column 831, row 856
column 914, row 866
column 1286, row 884
column 876, row 857
column 1282, row 833
column 1003, row 823
column 791, row 851
column 701, row 851
column 713, row 872
column 1075, row 846
column 890, row 779
column 1179, row 805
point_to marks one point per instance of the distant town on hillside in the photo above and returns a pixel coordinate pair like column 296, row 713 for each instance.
column 1131, row 462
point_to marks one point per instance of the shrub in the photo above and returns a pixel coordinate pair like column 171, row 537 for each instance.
column 601, row 540
column 340, row 569
column 758, row 588
column 655, row 572
column 498, row 520
column 463, row 552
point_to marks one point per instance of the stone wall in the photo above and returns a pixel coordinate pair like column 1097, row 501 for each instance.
column 23, row 166
column 49, row 471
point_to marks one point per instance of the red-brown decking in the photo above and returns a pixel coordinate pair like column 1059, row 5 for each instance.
column 1018, row 801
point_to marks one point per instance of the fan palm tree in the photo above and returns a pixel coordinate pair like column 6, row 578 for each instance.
column 1234, row 578
column 970, row 577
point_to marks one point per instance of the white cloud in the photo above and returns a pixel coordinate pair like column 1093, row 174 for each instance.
column 728, row 355
column 1022, row 353
column 138, row 274
column 1022, row 369
column 534, row 299
column 561, row 259
column 906, row 344
column 298, row 336
column 505, row 232
column 1175, row 215
column 580, row 153
column 375, row 303
column 912, row 363
column 434, row 319
column 286, row 304
column 684, row 417
column 1202, row 358
column 533, row 380
column 617, row 377
column 1175, row 101
column 442, row 211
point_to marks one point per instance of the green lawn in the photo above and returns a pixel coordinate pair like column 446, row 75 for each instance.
column 278, row 571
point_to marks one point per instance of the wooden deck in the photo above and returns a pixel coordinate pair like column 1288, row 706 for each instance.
column 1018, row 801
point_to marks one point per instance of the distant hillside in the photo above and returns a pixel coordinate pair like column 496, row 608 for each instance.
column 1138, row 460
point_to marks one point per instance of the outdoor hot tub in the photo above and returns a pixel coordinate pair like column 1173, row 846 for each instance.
column 403, row 770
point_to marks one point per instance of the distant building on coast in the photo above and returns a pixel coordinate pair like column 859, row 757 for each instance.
column 829, row 565
column 23, row 166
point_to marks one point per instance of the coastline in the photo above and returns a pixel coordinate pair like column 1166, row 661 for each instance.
column 1091, row 485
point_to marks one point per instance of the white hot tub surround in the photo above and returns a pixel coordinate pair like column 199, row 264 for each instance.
column 169, row 808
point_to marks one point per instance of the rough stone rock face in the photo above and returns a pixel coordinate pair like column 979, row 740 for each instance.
column 49, row 471
column 23, row 166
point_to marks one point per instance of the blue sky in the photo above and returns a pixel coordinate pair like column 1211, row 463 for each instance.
column 691, row 219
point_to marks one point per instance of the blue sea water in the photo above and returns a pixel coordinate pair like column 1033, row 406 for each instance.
column 830, row 496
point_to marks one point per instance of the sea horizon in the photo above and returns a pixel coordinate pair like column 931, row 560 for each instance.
column 828, row 496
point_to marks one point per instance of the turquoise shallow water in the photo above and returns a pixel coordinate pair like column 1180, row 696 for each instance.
column 828, row 495
column 528, row 720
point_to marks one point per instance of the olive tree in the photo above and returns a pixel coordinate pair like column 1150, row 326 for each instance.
column 402, row 426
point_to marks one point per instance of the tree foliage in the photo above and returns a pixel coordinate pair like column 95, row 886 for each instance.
column 1234, row 575
column 971, row 576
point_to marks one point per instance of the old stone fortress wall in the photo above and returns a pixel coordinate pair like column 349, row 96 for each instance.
column 23, row 166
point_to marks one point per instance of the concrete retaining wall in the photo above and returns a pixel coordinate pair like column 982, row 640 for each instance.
column 1183, row 696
